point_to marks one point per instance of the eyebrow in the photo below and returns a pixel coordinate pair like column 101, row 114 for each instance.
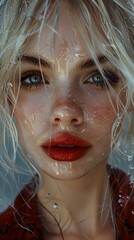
column 38, row 60
column 90, row 62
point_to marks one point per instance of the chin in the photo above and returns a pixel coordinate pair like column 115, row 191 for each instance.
column 67, row 171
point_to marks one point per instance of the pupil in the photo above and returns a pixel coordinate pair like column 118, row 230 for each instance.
column 98, row 78
column 35, row 79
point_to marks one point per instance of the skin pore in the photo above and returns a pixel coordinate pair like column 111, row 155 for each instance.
column 73, row 100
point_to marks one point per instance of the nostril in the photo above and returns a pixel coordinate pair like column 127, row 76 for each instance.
column 74, row 120
column 62, row 116
column 56, row 120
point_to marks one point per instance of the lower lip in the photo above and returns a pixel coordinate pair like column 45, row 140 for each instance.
column 65, row 154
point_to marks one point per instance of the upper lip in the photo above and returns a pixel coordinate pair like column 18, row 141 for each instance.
column 66, row 140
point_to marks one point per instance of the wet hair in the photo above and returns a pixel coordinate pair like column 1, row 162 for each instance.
column 110, row 25
column 23, row 19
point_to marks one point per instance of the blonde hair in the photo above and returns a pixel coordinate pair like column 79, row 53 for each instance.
column 23, row 19
column 112, row 20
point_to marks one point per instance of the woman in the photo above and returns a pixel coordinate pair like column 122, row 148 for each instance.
column 66, row 102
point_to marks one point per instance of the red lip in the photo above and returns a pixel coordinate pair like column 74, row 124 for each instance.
column 65, row 147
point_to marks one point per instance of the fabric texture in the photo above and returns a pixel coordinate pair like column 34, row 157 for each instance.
column 21, row 221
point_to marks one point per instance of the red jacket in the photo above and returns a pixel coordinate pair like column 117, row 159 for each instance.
column 21, row 221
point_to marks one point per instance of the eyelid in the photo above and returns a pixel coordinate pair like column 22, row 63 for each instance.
column 25, row 74
column 29, row 73
column 108, row 73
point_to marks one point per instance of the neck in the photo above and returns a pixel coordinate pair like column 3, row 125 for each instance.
column 82, row 200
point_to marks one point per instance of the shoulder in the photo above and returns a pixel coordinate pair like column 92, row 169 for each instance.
column 122, row 189
column 20, row 220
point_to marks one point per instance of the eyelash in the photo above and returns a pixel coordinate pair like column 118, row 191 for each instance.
column 111, row 77
column 36, row 74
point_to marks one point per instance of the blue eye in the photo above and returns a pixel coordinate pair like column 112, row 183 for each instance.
column 33, row 79
column 99, row 80
column 95, row 79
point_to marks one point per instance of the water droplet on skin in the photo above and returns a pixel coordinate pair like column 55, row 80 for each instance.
column 55, row 206
column 48, row 195
column 129, row 158
column 83, row 130
column 77, row 55
column 131, row 167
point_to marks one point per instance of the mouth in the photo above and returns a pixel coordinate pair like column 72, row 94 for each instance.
column 65, row 147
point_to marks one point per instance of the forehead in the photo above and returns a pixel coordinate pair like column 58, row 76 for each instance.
column 62, row 40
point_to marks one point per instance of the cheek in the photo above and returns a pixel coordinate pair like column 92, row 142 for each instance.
column 101, row 107
column 105, row 113
column 31, row 118
column 101, row 112
column 99, row 126
column 35, row 120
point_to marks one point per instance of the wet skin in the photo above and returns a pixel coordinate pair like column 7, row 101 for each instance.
column 74, row 100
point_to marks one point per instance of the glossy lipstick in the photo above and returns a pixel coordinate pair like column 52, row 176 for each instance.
column 65, row 147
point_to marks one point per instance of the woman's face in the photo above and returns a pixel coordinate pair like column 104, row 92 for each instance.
column 65, row 124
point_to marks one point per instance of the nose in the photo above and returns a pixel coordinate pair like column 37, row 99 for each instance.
column 67, row 115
